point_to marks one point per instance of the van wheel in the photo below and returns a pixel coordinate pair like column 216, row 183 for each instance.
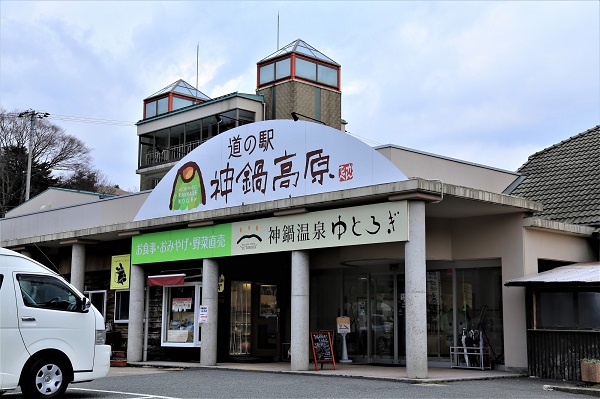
column 45, row 379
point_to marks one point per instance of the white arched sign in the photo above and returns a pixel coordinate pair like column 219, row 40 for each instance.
column 267, row 161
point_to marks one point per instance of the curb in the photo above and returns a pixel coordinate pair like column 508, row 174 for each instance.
column 579, row 390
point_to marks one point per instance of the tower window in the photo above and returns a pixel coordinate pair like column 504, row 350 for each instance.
column 306, row 69
column 316, row 72
column 326, row 75
column 160, row 106
column 275, row 70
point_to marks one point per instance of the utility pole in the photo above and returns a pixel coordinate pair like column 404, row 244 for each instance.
column 32, row 115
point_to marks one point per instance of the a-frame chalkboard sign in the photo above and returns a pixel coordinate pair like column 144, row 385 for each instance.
column 322, row 348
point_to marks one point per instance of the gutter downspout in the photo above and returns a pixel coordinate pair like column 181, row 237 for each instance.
column 146, row 315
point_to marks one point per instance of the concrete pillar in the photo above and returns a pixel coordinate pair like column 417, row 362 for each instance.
column 210, row 293
column 78, row 266
column 135, row 334
column 300, row 339
column 416, row 296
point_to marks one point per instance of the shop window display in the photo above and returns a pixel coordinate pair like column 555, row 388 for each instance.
column 180, row 316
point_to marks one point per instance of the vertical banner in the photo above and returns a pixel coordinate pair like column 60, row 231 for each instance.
column 119, row 272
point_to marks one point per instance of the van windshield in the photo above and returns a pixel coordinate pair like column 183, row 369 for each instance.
column 46, row 292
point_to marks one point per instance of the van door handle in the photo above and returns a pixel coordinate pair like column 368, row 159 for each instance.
column 27, row 318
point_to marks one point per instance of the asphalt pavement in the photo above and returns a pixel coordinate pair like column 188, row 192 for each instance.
column 374, row 372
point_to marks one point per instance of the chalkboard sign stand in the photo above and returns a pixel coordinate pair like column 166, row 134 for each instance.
column 322, row 348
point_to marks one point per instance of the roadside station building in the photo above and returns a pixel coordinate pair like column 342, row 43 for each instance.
column 255, row 228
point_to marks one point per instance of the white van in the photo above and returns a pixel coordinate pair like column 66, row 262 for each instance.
column 50, row 335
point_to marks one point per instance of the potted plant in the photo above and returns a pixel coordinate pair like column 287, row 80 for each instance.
column 122, row 352
column 590, row 370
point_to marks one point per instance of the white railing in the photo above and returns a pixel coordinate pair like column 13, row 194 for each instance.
column 174, row 153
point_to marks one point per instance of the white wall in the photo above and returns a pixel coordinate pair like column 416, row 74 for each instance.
column 114, row 210
column 415, row 163
column 53, row 198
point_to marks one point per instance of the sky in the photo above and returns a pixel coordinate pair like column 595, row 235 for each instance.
column 487, row 82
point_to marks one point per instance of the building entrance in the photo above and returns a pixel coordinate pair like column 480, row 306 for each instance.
column 375, row 304
column 254, row 320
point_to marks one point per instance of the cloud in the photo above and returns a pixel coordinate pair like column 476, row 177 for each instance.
column 434, row 76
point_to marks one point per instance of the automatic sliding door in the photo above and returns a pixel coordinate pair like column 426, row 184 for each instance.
column 383, row 310
column 356, row 307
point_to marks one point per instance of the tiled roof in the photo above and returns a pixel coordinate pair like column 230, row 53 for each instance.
column 565, row 178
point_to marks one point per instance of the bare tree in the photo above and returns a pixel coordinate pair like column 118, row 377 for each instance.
column 57, row 159
column 88, row 179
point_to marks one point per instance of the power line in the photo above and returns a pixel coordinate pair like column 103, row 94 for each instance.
column 82, row 119
column 364, row 139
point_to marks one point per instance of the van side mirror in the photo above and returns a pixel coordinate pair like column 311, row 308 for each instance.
column 85, row 304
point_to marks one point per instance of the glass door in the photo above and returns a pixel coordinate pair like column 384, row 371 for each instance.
column 240, row 318
column 400, row 320
column 440, row 315
column 267, row 323
column 376, row 306
column 356, row 292
column 383, row 318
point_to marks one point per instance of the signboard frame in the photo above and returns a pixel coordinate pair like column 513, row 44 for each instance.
column 322, row 348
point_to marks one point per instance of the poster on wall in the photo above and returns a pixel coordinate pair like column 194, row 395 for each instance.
column 119, row 269
column 181, row 304
column 203, row 314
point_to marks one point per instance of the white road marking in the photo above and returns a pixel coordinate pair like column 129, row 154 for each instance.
column 430, row 385
column 137, row 395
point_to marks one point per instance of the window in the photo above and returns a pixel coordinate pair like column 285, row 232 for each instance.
column 246, row 116
column 47, row 292
column 193, row 131
column 306, row 69
column 588, row 309
column 275, row 70
column 327, row 75
column 282, row 69
column 567, row 310
column 162, row 106
column 150, row 109
column 121, row 306
column 316, row 72
column 158, row 107
column 98, row 299
column 268, row 300
column 267, row 73
column 180, row 103
column 180, row 316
